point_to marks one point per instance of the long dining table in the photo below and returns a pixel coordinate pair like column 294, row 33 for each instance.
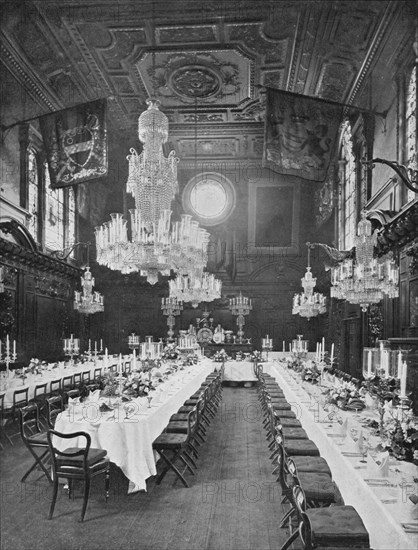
column 128, row 430
column 382, row 502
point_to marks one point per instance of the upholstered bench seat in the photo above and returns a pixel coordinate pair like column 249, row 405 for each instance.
column 336, row 527
column 301, row 447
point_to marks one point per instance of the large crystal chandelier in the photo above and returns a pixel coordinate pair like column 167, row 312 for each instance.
column 366, row 279
column 308, row 303
column 195, row 288
column 155, row 245
column 88, row 301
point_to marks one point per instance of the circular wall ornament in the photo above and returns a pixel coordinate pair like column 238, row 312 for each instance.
column 195, row 81
column 209, row 198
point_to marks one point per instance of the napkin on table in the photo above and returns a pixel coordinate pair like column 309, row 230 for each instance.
column 343, row 428
column 94, row 396
column 379, row 466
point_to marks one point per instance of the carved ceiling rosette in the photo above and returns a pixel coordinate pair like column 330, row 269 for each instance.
column 179, row 78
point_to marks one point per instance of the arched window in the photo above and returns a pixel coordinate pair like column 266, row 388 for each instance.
column 54, row 215
column 347, row 212
column 33, row 194
column 411, row 126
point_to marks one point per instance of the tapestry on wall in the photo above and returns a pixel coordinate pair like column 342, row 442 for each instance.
column 76, row 143
column 300, row 134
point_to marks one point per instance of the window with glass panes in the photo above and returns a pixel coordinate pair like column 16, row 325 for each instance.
column 411, row 126
column 347, row 210
column 54, row 215
column 33, row 194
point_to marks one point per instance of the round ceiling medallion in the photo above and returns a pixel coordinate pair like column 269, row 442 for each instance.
column 195, row 81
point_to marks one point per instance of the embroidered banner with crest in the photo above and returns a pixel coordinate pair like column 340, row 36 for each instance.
column 76, row 143
column 300, row 134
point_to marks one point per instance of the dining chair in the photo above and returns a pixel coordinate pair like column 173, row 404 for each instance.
column 97, row 374
column 81, row 462
column 5, row 419
column 85, row 377
column 54, row 406
column 55, row 387
column 173, row 447
column 39, row 397
column 77, row 379
column 34, row 439
column 319, row 487
column 67, row 383
column 328, row 528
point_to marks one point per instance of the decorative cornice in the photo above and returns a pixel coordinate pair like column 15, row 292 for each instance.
column 18, row 256
column 27, row 77
column 387, row 20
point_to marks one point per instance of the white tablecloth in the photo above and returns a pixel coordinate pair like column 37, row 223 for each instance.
column 10, row 385
column 382, row 508
column 239, row 371
column 128, row 441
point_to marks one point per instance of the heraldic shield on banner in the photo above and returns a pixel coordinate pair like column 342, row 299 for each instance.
column 76, row 143
column 300, row 134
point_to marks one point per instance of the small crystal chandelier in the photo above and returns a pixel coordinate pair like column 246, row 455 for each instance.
column 88, row 302
column 366, row 279
column 308, row 303
column 155, row 246
column 171, row 307
column 195, row 288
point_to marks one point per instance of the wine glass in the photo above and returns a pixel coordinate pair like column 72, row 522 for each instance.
column 149, row 397
column 364, row 448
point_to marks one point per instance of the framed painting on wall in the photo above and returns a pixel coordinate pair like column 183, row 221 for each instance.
column 273, row 217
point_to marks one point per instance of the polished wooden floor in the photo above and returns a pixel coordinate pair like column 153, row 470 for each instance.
column 233, row 502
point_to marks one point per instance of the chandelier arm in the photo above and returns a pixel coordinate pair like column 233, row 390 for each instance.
column 333, row 253
column 65, row 252
column 400, row 170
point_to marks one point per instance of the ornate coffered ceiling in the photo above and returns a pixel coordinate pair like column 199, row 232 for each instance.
column 206, row 60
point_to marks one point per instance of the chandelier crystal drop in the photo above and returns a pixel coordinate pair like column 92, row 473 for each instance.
column 88, row 301
column 154, row 245
column 195, row 288
column 366, row 279
column 309, row 303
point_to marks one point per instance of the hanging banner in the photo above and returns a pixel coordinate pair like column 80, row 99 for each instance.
column 300, row 134
column 76, row 143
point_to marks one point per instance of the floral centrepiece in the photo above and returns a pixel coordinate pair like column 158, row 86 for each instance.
column 346, row 396
column 310, row 372
column 402, row 437
column 220, row 356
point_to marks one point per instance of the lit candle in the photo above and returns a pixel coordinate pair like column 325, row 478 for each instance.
column 95, row 345
column 72, row 337
column 332, row 353
column 7, row 344
column 323, row 345
column 120, row 363
column 290, row 347
column 89, row 344
column 399, row 373
column 14, row 347
column 369, row 364
column 385, row 363
column 284, row 346
column 403, row 379
column 101, row 344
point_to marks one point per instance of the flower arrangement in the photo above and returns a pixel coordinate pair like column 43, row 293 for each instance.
column 383, row 390
column 346, row 396
column 294, row 363
column 402, row 437
column 170, row 352
column 220, row 356
column 310, row 372
column 137, row 385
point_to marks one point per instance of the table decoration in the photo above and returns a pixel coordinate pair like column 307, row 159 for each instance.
column 402, row 437
column 346, row 396
column 8, row 356
column 220, row 356
column 384, row 390
column 310, row 372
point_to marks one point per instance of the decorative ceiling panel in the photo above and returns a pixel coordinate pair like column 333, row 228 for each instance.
column 215, row 77
column 186, row 34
